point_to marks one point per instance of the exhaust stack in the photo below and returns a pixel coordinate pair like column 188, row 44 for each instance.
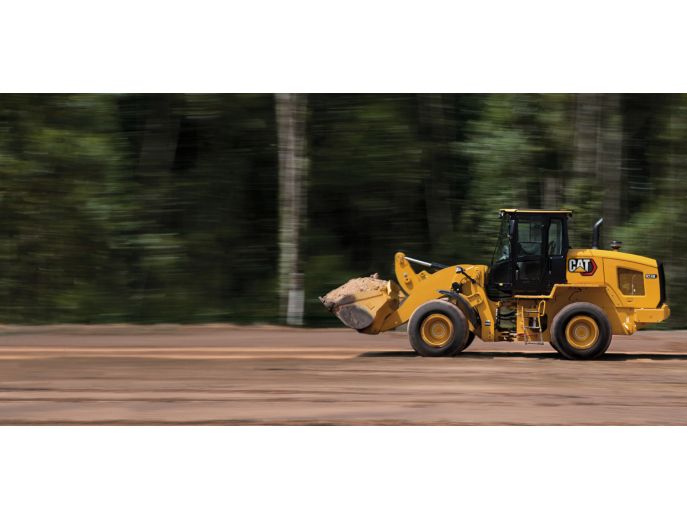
column 596, row 231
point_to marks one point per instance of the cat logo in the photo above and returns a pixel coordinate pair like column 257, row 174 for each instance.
column 584, row 266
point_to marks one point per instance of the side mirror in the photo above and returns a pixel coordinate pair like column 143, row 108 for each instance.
column 511, row 229
column 459, row 270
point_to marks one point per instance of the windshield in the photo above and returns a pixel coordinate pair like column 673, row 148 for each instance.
column 502, row 251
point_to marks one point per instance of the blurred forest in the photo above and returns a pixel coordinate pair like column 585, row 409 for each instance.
column 166, row 208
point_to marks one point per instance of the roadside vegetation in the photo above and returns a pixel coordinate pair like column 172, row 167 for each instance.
column 167, row 208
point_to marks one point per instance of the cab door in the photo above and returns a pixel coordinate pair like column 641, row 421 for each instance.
column 530, row 260
column 556, row 250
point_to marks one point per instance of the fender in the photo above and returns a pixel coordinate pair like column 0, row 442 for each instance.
column 464, row 305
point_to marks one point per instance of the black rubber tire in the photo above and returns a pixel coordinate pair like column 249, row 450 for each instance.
column 559, row 341
column 460, row 329
column 553, row 345
column 468, row 342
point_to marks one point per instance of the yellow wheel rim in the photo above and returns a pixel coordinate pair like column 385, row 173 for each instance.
column 582, row 332
column 436, row 330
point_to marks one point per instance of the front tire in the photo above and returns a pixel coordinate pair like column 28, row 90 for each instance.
column 554, row 345
column 468, row 342
column 581, row 331
column 438, row 329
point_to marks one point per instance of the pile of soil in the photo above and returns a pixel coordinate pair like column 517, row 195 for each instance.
column 345, row 294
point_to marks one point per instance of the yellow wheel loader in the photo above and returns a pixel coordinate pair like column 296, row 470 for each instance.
column 537, row 289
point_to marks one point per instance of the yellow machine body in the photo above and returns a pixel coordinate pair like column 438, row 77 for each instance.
column 625, row 286
column 538, row 289
column 628, row 288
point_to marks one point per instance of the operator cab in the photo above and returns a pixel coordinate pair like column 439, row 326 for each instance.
column 530, row 253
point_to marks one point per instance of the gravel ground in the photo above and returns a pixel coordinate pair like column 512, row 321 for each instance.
column 222, row 374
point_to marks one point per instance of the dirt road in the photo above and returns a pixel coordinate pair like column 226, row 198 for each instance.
column 270, row 375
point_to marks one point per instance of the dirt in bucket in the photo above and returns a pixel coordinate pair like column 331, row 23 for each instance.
column 346, row 293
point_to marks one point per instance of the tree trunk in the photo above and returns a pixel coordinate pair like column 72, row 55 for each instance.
column 291, row 115
column 587, row 135
column 435, row 134
column 582, row 187
column 160, row 140
column 610, row 163
column 155, row 162
column 598, row 155
column 551, row 196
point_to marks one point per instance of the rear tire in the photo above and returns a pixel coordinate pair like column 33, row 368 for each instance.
column 581, row 331
column 438, row 329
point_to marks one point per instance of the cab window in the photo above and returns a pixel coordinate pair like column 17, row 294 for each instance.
column 530, row 236
column 502, row 251
column 555, row 246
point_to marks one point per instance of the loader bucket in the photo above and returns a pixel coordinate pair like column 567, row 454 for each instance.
column 363, row 303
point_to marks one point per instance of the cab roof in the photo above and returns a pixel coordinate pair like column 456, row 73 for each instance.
column 567, row 212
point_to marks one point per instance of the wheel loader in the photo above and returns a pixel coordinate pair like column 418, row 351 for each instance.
column 536, row 290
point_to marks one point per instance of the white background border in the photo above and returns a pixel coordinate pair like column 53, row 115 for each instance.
column 352, row 46
column 342, row 472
